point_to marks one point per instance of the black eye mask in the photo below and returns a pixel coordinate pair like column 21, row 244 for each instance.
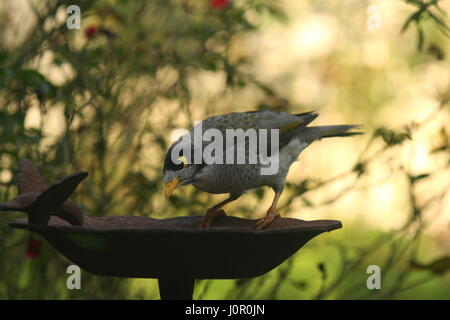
column 169, row 164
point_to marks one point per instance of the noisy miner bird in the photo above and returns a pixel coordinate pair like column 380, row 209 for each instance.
column 236, row 178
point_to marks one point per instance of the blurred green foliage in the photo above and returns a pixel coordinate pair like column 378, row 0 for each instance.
column 426, row 9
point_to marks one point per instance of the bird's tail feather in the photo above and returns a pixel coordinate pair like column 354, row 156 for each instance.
column 338, row 131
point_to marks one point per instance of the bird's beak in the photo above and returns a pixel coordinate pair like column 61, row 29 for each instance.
column 171, row 185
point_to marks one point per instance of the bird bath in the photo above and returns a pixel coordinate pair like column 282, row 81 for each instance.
column 172, row 250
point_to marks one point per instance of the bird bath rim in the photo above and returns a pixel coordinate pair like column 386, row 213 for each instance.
column 58, row 224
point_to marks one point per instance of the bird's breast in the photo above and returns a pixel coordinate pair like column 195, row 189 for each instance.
column 222, row 178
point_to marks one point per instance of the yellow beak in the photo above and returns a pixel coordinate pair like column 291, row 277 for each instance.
column 171, row 185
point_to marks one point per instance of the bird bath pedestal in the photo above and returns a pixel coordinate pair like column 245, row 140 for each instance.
column 172, row 250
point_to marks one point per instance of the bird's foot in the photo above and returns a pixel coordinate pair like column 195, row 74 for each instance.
column 271, row 215
column 211, row 214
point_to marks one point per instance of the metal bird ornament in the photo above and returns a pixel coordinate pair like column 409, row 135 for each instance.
column 41, row 202
column 236, row 152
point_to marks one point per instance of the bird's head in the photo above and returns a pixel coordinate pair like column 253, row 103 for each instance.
column 176, row 173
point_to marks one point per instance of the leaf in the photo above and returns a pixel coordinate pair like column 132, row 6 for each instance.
column 307, row 202
column 443, row 143
column 5, row 74
column 277, row 13
column 436, row 51
column 302, row 187
column 415, row 2
column 391, row 137
column 420, row 38
column 440, row 23
column 359, row 168
column 414, row 179
column 259, row 193
column 35, row 80
column 30, row 77
column 323, row 270
column 414, row 17
column 210, row 61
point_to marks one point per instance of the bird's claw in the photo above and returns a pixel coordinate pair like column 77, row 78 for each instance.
column 267, row 220
column 209, row 218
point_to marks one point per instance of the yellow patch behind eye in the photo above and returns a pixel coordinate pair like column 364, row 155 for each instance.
column 183, row 159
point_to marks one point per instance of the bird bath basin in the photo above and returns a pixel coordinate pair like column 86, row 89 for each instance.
column 172, row 250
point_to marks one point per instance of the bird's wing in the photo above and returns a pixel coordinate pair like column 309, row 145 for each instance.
column 286, row 124
column 255, row 120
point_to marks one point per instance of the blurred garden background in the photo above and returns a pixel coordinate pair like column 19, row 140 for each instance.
column 111, row 96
